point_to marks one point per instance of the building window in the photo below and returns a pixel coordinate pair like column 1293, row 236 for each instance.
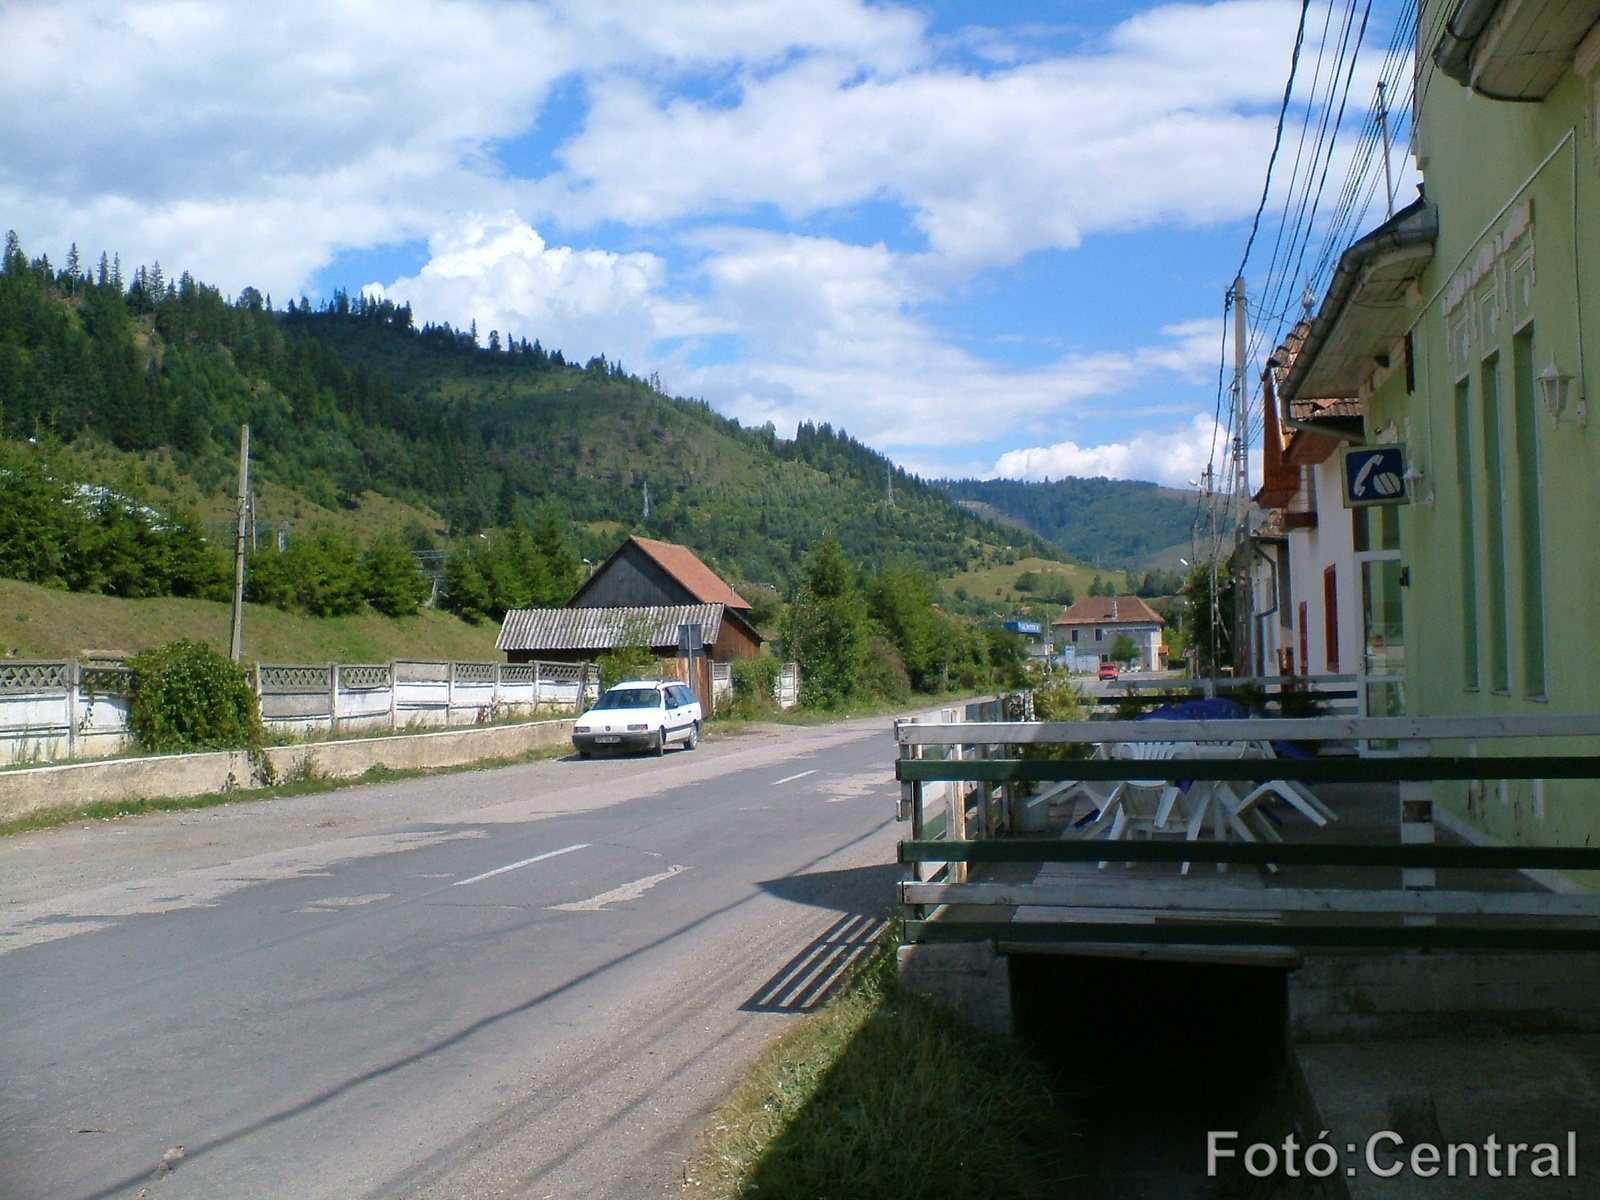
column 1494, row 504
column 1468, row 577
column 1529, row 526
column 1330, row 618
column 1099, row 635
column 1074, row 637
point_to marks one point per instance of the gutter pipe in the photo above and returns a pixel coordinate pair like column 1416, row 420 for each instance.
column 1453, row 52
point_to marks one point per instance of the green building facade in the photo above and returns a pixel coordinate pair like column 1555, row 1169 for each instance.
column 1481, row 595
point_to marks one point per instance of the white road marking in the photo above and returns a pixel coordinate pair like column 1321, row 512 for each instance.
column 42, row 921
column 792, row 778
column 525, row 862
column 619, row 895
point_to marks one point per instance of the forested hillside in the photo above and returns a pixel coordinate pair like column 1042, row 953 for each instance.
column 351, row 397
column 1103, row 522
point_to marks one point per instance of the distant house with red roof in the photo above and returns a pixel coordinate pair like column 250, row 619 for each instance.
column 644, row 592
column 1084, row 632
column 646, row 572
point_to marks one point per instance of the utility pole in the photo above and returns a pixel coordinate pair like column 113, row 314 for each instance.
column 1213, row 548
column 236, row 637
column 1241, row 484
column 1383, row 129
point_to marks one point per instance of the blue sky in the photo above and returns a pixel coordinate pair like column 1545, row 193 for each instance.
column 982, row 237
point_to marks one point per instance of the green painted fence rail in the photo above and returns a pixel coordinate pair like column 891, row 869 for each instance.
column 1300, row 854
column 1257, row 770
column 1258, row 933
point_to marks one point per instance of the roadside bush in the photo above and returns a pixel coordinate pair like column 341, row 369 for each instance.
column 186, row 696
column 627, row 662
column 883, row 674
column 753, row 680
column 825, row 629
column 1057, row 698
column 632, row 659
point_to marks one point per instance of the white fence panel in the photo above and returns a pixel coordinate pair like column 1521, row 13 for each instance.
column 786, row 688
column 64, row 709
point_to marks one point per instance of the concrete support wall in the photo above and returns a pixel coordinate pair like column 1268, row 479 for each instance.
column 969, row 977
column 73, row 785
column 1354, row 997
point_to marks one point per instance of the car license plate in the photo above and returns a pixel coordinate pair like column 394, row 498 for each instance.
column 605, row 740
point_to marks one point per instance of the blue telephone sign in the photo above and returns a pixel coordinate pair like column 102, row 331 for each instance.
column 1374, row 475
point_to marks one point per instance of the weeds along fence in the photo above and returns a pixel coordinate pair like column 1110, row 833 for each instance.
column 1285, row 695
column 72, row 709
column 785, row 685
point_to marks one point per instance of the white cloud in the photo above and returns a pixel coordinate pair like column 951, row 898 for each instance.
column 1172, row 456
column 1151, row 128
column 251, row 143
column 498, row 272
column 825, row 330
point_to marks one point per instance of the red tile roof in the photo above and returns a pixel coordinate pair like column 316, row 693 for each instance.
column 1109, row 610
column 685, row 566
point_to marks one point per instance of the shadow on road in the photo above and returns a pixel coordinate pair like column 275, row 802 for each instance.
column 864, row 895
column 806, row 981
column 859, row 891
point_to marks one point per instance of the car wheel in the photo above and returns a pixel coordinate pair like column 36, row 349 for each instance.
column 693, row 739
column 661, row 742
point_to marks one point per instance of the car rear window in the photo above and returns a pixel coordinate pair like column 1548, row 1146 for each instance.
column 630, row 698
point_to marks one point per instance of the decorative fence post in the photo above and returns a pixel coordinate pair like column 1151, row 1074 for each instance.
column 1416, row 824
column 394, row 695
column 73, row 679
column 496, row 701
column 450, row 694
column 333, row 698
column 536, row 687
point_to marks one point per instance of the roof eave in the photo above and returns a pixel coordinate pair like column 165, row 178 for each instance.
column 1513, row 50
column 1414, row 226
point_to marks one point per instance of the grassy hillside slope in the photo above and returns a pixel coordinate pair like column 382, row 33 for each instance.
column 41, row 623
column 1103, row 522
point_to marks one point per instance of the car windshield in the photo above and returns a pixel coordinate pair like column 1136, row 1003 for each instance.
column 630, row 698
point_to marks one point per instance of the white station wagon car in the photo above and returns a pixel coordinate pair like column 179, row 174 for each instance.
column 642, row 714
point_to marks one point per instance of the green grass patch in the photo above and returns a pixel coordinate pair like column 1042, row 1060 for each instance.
column 42, row 623
column 883, row 1094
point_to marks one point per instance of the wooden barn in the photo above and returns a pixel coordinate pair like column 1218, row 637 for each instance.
column 644, row 593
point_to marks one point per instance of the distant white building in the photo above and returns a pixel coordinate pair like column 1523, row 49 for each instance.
column 1084, row 633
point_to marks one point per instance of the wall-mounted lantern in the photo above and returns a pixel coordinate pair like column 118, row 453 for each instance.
column 1554, row 384
column 1413, row 480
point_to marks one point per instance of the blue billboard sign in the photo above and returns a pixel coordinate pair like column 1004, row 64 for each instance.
column 1374, row 475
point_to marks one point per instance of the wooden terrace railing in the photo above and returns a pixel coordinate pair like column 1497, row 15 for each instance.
column 974, row 763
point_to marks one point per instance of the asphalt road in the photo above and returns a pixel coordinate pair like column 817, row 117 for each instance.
column 535, row 981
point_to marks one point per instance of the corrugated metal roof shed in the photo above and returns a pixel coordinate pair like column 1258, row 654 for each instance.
column 605, row 628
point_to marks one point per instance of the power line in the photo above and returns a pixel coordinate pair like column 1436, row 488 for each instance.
column 1277, row 137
